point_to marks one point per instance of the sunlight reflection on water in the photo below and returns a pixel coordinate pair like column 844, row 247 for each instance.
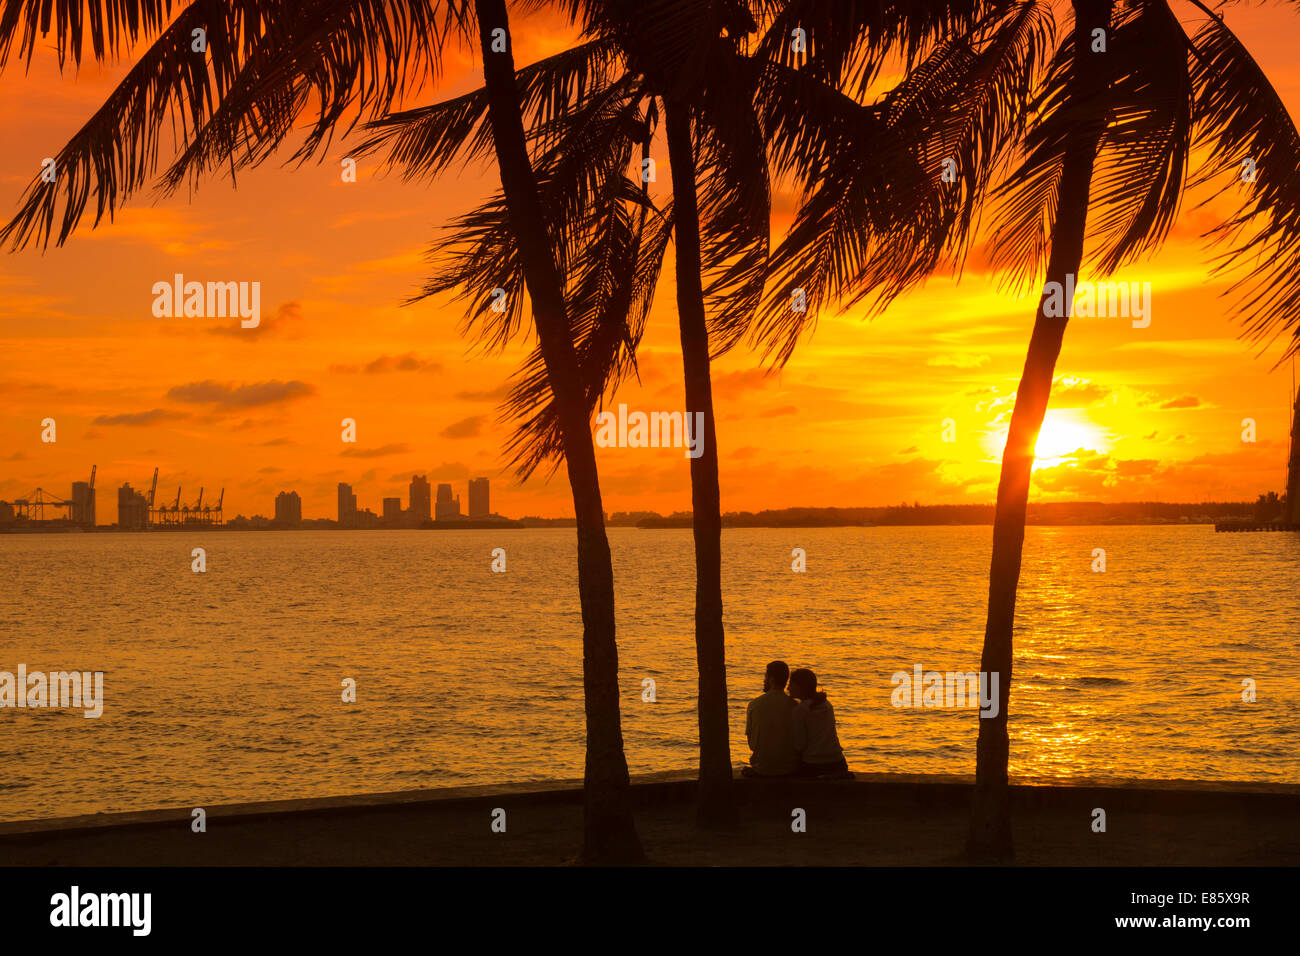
column 225, row 687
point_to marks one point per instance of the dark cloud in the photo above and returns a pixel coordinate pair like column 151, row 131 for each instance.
column 136, row 418
column 286, row 319
column 1182, row 401
column 779, row 411
column 407, row 362
column 395, row 449
column 465, row 428
column 225, row 395
column 491, row 394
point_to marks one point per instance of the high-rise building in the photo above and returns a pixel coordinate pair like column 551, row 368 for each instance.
column 347, row 506
column 420, row 500
column 83, row 504
column 392, row 509
column 288, row 508
column 446, row 506
column 132, row 509
column 478, row 498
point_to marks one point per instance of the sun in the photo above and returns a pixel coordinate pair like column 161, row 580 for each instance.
column 1065, row 432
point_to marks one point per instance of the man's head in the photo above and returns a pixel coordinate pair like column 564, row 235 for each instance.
column 778, row 673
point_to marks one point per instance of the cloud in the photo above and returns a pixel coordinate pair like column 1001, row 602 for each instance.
column 959, row 361
column 1182, row 401
column 380, row 452
column 779, row 411
column 1069, row 391
column 287, row 319
column 465, row 428
column 491, row 394
column 408, row 362
column 446, row 471
column 731, row 384
column 225, row 395
column 136, row 418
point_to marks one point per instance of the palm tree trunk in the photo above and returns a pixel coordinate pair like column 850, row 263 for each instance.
column 990, row 829
column 716, row 802
column 609, row 834
column 1292, row 512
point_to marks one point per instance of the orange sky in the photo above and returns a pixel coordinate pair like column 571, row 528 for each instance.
column 856, row 418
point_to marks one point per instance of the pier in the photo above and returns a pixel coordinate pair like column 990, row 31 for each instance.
column 1247, row 524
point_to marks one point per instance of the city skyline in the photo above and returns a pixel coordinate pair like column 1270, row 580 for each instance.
column 858, row 413
column 135, row 511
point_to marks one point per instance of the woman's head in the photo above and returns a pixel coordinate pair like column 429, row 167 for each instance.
column 803, row 684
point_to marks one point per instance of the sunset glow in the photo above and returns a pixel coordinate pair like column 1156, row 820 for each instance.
column 855, row 418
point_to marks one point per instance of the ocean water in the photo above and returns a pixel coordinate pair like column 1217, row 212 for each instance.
column 226, row 686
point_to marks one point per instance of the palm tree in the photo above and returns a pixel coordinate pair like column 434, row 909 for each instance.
column 609, row 834
column 591, row 114
column 264, row 64
column 693, row 60
column 1127, row 97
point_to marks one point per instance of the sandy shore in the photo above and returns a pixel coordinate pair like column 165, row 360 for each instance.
column 878, row 819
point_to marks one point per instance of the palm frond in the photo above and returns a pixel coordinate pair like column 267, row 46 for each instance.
column 116, row 151
column 110, row 24
column 1142, row 158
column 425, row 141
column 848, row 41
column 1239, row 117
column 1074, row 95
column 735, row 201
column 265, row 62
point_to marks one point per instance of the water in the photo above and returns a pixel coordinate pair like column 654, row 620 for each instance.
column 226, row 686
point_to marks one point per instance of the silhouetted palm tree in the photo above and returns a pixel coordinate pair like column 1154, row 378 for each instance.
column 1127, row 97
column 593, row 113
column 238, row 94
column 699, row 61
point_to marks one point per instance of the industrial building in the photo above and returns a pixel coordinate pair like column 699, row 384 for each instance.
column 132, row 509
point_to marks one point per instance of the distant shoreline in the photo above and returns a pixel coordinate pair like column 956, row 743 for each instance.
column 666, row 524
column 1043, row 514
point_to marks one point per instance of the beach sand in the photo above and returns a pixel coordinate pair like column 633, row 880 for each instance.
column 876, row 820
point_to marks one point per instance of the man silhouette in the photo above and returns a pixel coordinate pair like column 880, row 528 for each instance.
column 769, row 726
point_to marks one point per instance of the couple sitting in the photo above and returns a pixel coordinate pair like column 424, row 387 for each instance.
column 792, row 735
